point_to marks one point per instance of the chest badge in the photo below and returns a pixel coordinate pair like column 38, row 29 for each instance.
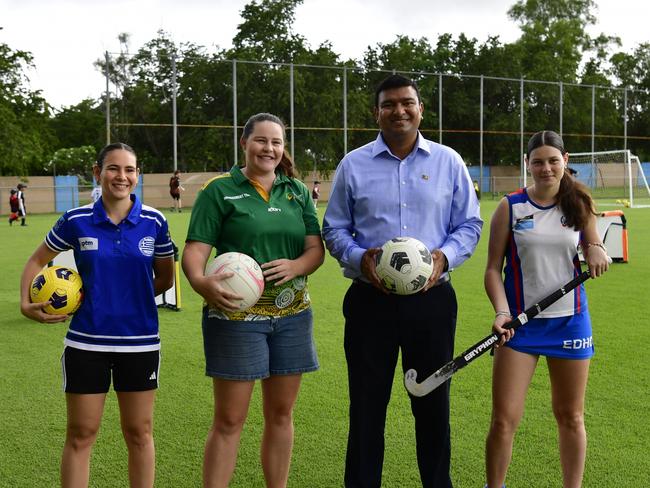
column 146, row 245
column 88, row 244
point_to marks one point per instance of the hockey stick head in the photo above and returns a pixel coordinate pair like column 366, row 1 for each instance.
column 427, row 386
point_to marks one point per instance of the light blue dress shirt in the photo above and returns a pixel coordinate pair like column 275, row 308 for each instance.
column 375, row 197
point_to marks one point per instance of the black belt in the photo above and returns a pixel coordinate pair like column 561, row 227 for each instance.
column 443, row 279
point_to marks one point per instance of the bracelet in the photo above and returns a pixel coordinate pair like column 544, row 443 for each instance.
column 504, row 314
column 597, row 244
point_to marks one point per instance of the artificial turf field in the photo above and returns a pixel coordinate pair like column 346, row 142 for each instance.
column 32, row 406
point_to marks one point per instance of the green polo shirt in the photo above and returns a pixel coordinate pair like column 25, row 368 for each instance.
column 230, row 215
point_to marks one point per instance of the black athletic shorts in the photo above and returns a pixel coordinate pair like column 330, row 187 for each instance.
column 90, row 371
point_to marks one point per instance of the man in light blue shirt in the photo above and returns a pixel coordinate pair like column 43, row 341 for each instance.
column 399, row 185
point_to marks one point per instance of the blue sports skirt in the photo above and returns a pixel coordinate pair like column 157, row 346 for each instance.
column 559, row 337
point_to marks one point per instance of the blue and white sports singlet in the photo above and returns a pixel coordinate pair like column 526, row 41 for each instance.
column 541, row 256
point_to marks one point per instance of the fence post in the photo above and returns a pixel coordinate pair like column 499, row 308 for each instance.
column 625, row 118
column 521, row 132
column 440, row 108
column 561, row 108
column 234, row 111
column 108, row 101
column 480, row 176
column 345, row 110
column 174, row 114
column 594, row 176
column 293, row 135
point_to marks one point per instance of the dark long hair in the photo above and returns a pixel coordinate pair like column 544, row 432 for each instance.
column 573, row 197
column 286, row 163
column 113, row 147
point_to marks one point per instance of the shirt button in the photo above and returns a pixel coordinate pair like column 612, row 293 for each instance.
column 118, row 242
column 403, row 182
column 403, row 205
column 404, row 227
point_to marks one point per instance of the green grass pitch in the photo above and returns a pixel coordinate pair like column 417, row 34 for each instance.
column 32, row 410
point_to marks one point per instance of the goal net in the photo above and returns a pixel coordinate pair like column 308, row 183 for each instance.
column 615, row 178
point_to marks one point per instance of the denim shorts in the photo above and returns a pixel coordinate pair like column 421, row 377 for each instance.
column 250, row 350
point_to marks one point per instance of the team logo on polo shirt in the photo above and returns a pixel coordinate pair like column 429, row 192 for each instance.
column 146, row 245
column 291, row 196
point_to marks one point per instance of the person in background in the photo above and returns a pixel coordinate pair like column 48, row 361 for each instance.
column 22, row 212
column 536, row 231
column 315, row 193
column 175, row 190
column 124, row 255
column 262, row 210
column 399, row 185
column 14, row 206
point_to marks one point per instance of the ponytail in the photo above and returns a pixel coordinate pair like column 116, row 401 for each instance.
column 575, row 202
column 286, row 164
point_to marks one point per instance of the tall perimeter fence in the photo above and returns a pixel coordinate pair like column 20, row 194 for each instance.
column 328, row 110
column 187, row 113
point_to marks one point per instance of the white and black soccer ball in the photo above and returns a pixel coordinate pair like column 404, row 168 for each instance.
column 404, row 265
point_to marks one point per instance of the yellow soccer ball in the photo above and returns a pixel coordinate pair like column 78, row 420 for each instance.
column 59, row 285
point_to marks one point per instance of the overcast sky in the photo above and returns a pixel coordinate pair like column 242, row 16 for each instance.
column 66, row 36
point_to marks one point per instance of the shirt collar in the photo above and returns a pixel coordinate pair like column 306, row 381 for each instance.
column 239, row 177
column 380, row 146
column 99, row 214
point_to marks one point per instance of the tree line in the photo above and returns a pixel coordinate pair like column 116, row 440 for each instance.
column 554, row 46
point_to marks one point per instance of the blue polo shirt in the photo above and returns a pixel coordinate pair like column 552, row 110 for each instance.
column 118, row 313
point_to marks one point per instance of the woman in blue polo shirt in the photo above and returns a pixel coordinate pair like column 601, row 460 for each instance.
column 261, row 210
column 122, row 248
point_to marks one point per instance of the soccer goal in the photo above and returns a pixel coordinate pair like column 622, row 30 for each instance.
column 614, row 177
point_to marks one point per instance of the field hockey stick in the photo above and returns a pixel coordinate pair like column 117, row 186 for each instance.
column 446, row 372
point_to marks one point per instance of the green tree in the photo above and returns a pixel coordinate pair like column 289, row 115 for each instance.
column 26, row 139
column 81, row 124
column 74, row 161
column 266, row 33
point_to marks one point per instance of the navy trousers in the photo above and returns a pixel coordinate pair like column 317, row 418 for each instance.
column 377, row 326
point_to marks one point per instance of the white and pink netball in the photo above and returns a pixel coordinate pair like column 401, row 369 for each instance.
column 247, row 280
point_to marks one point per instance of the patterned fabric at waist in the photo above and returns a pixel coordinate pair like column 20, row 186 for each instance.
column 280, row 301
